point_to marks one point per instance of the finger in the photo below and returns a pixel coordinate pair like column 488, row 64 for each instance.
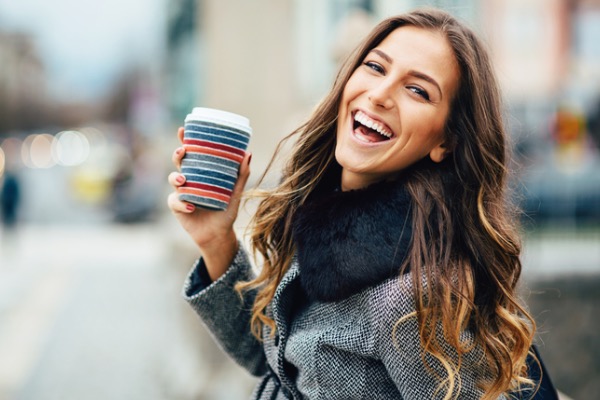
column 178, row 206
column 177, row 156
column 244, row 171
column 180, row 134
column 176, row 179
column 238, row 189
column 243, row 175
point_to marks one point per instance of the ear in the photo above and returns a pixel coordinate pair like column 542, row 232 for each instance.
column 439, row 152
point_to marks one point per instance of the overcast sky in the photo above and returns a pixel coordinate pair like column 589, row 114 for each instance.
column 84, row 43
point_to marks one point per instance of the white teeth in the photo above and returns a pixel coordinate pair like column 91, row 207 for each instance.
column 363, row 119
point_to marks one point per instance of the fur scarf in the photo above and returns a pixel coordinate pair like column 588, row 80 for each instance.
column 349, row 241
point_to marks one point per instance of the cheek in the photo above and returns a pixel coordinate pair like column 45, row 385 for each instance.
column 437, row 127
column 351, row 89
column 432, row 139
column 343, row 102
column 340, row 122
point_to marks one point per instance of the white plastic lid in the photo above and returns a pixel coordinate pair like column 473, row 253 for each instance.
column 215, row 115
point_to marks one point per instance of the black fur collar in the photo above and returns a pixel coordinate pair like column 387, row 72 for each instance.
column 348, row 241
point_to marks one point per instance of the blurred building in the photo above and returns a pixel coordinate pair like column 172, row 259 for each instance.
column 27, row 104
column 23, row 93
column 547, row 54
column 183, row 57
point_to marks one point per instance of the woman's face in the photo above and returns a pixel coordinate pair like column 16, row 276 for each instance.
column 395, row 105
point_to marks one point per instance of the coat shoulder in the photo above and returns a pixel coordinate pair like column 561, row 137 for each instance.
column 392, row 299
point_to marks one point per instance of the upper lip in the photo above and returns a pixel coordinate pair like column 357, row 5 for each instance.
column 374, row 118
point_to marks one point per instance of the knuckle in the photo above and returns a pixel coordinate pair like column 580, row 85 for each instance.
column 172, row 200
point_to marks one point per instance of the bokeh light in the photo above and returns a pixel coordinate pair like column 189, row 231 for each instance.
column 94, row 136
column 36, row 151
column 70, row 148
column 2, row 161
column 11, row 148
column 25, row 151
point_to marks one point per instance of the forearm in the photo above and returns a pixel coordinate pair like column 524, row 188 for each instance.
column 225, row 313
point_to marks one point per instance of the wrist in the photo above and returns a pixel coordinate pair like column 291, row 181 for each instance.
column 218, row 254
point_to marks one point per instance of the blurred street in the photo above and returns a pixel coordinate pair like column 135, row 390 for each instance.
column 556, row 254
column 94, row 312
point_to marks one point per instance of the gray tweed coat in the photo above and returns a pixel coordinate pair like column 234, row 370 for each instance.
column 327, row 350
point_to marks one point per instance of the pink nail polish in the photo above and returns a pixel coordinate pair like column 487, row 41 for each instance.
column 180, row 179
column 190, row 207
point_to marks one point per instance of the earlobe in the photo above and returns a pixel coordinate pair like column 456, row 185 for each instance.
column 438, row 153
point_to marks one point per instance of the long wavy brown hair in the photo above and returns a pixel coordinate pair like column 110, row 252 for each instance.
column 465, row 244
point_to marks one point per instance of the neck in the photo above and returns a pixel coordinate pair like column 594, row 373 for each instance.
column 354, row 181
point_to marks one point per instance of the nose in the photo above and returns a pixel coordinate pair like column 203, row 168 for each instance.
column 381, row 95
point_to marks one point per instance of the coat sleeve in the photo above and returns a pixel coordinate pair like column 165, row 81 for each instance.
column 225, row 313
column 417, row 376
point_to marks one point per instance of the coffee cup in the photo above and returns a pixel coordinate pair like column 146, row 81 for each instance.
column 215, row 143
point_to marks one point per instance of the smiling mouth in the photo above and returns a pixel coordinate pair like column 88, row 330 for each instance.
column 369, row 130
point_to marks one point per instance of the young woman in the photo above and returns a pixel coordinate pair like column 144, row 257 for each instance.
column 389, row 254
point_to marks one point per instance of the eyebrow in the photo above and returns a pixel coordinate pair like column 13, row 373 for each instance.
column 412, row 72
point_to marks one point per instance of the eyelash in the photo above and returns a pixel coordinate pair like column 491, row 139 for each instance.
column 374, row 66
column 419, row 92
column 415, row 89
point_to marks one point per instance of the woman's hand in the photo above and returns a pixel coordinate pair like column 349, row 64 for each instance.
column 212, row 231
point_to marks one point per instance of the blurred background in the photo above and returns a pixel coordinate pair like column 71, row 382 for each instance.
column 91, row 95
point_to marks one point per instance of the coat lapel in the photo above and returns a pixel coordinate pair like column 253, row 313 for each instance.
column 282, row 303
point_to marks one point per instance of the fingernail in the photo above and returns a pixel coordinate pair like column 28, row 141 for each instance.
column 190, row 207
column 179, row 150
column 180, row 179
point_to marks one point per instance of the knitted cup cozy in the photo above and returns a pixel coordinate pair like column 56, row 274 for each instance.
column 215, row 142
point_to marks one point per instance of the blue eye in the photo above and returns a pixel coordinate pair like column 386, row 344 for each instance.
column 374, row 66
column 419, row 92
